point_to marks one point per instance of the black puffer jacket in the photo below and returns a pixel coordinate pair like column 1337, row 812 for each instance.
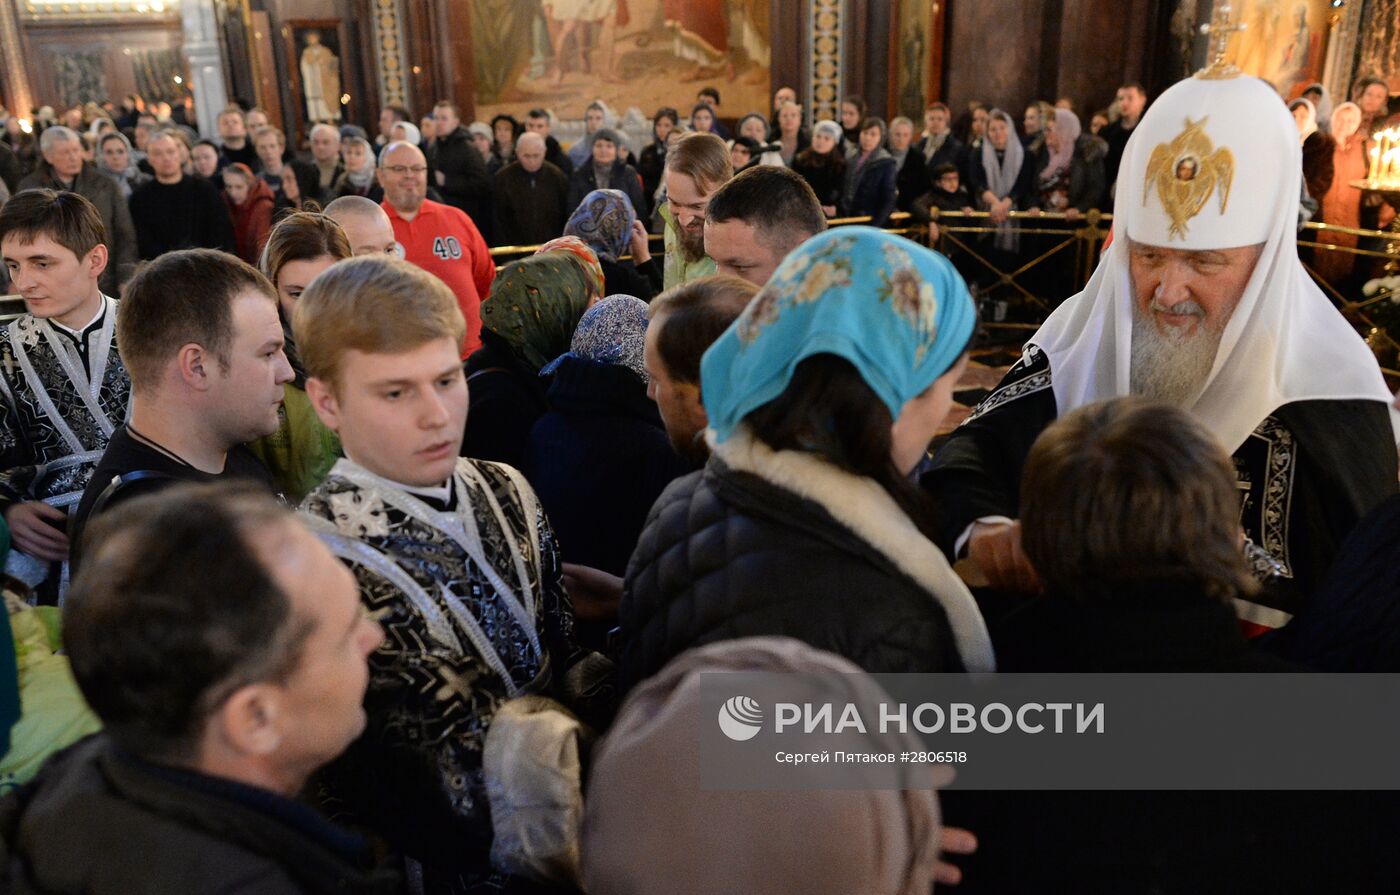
column 729, row 553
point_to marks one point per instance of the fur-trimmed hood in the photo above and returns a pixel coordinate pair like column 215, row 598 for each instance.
column 868, row 511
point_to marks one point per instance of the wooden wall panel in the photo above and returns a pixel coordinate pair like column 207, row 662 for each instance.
column 994, row 52
column 792, row 46
column 1011, row 52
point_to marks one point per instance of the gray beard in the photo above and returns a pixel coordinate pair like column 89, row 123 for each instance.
column 1170, row 368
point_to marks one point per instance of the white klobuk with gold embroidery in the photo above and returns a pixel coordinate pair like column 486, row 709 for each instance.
column 1199, row 179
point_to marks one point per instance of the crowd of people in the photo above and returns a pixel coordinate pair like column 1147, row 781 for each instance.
column 368, row 567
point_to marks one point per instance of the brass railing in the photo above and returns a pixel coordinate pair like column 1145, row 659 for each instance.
column 960, row 235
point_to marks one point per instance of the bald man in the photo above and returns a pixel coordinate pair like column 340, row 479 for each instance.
column 531, row 196
column 437, row 237
column 366, row 226
column 325, row 152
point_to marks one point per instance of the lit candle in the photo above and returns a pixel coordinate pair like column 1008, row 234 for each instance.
column 1375, row 163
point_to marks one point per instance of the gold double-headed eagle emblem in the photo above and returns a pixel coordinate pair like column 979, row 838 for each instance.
column 1185, row 172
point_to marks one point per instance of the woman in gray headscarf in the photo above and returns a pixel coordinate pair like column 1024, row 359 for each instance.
column 114, row 159
column 650, row 827
column 1000, row 181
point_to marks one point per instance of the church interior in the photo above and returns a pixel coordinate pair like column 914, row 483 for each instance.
column 406, row 405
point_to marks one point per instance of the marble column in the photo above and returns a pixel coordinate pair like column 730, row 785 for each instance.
column 201, row 49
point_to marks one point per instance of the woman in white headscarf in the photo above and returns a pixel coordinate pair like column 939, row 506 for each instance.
column 1305, row 116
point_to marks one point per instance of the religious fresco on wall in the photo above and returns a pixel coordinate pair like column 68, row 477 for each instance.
column 1284, row 41
column 81, row 78
column 562, row 54
column 914, row 24
column 1380, row 43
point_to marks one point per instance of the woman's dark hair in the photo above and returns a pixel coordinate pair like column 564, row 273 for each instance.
column 666, row 112
column 962, row 128
column 857, row 102
column 870, row 122
column 708, row 110
column 828, row 409
column 516, row 128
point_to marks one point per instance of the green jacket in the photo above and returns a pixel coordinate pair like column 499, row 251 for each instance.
column 677, row 270
column 55, row 714
column 302, row 450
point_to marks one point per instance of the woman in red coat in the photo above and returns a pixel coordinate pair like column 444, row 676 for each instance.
column 250, row 202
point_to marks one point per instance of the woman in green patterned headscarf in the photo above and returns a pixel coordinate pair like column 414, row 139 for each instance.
column 527, row 321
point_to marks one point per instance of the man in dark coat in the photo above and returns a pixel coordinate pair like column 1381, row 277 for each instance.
column 459, row 171
column 10, row 169
column 177, row 210
column 63, row 169
column 192, row 785
column 531, row 196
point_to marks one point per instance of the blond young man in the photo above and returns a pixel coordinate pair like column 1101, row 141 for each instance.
column 453, row 556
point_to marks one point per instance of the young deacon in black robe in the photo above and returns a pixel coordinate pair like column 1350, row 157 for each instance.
column 63, row 387
column 1200, row 300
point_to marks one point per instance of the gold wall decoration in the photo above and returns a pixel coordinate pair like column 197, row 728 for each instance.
column 75, row 10
column 1185, row 172
column 388, row 44
column 824, row 76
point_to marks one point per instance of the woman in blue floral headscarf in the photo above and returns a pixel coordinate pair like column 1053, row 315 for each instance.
column 607, row 222
column 822, row 399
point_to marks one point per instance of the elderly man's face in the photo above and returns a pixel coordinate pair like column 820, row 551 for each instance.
column 901, row 135
column 1185, row 292
column 404, row 176
column 530, row 154
column 66, row 158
